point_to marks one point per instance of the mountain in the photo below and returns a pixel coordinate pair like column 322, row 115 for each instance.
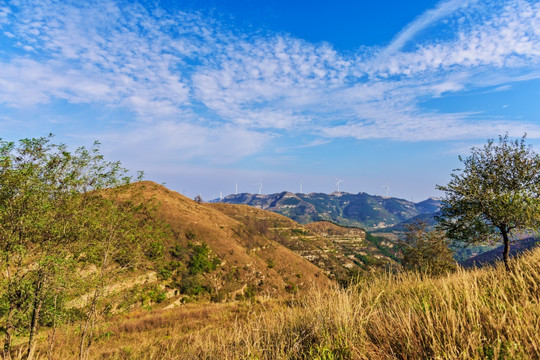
column 338, row 250
column 248, row 255
column 245, row 252
column 361, row 210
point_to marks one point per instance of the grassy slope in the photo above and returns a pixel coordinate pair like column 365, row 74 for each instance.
column 319, row 249
column 336, row 249
column 479, row 314
column 243, row 250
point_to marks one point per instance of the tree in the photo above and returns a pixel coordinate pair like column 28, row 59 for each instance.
column 426, row 251
column 55, row 216
column 496, row 194
column 117, row 231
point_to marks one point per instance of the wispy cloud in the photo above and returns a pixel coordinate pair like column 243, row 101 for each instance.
column 442, row 10
column 189, row 77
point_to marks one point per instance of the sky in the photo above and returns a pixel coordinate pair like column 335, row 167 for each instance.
column 209, row 96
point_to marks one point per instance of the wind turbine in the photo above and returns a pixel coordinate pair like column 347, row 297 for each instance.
column 260, row 185
column 220, row 196
column 386, row 189
column 301, row 187
column 338, row 181
column 236, row 188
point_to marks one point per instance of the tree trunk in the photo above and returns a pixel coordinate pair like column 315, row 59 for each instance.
column 506, row 250
column 86, row 333
column 53, row 334
column 8, row 332
column 7, row 343
column 6, row 351
column 38, row 301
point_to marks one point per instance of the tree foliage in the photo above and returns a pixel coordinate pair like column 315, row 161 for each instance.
column 495, row 194
column 56, row 219
column 426, row 251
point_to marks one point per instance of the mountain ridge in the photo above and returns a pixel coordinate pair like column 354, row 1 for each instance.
column 362, row 210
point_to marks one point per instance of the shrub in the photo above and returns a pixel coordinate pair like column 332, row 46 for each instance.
column 192, row 285
column 154, row 250
column 164, row 273
column 200, row 260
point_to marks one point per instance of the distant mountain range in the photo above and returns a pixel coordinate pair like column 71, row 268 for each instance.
column 362, row 210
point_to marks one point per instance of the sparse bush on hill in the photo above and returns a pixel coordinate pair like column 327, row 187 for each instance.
column 188, row 265
column 201, row 261
column 377, row 241
column 426, row 251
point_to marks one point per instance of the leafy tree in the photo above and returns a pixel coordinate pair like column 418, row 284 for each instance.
column 37, row 227
column 495, row 194
column 116, row 221
column 56, row 218
column 426, row 251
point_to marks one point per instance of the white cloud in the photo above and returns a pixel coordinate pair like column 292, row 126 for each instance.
column 170, row 142
column 189, row 77
column 428, row 18
column 508, row 38
column 99, row 53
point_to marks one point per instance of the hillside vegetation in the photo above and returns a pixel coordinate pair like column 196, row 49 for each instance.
column 340, row 251
column 479, row 314
column 249, row 259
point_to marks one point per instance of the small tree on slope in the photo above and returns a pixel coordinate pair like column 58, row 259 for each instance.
column 426, row 251
column 494, row 195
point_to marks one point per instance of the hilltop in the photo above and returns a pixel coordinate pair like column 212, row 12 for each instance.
column 250, row 260
column 362, row 210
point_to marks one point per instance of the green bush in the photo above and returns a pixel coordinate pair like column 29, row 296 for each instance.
column 249, row 292
column 164, row 273
column 157, row 295
column 154, row 250
column 178, row 251
column 200, row 260
column 192, row 285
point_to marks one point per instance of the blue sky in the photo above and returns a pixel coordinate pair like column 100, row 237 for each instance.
column 203, row 95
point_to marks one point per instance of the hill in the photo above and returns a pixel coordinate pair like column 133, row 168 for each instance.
column 250, row 261
column 361, row 210
column 251, row 252
column 492, row 256
column 338, row 250
column 487, row 313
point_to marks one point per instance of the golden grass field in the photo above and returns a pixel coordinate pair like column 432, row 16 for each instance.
column 485, row 313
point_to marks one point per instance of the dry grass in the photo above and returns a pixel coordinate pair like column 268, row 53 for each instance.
column 480, row 314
